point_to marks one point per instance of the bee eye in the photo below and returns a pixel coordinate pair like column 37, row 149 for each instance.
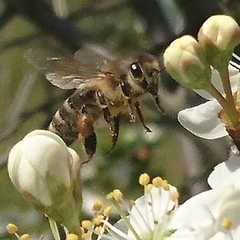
column 136, row 70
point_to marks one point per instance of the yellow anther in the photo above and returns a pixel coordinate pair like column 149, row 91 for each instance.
column 82, row 230
column 97, row 206
column 131, row 203
column 107, row 210
column 11, row 228
column 98, row 220
column 25, row 236
column 85, row 235
column 165, row 185
column 148, row 188
column 98, row 229
column 117, row 194
column 144, row 179
column 86, row 224
column 110, row 196
column 157, row 182
column 226, row 223
column 71, row 236
column 174, row 196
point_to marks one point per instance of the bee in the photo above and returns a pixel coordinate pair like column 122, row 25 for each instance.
column 103, row 87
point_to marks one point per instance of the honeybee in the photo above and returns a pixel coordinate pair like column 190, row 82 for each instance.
column 103, row 88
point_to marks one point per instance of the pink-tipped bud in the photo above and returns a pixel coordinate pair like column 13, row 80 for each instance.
column 186, row 63
column 218, row 36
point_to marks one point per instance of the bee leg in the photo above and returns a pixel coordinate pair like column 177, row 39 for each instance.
column 114, row 126
column 86, row 132
column 140, row 116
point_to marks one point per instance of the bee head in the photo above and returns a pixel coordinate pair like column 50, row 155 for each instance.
column 145, row 72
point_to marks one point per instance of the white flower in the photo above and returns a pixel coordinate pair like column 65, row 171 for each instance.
column 214, row 214
column 203, row 120
column 151, row 213
column 46, row 172
column 149, row 217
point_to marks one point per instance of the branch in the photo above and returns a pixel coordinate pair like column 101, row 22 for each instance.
column 18, row 104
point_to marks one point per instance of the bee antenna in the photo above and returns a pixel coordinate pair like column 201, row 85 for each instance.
column 162, row 69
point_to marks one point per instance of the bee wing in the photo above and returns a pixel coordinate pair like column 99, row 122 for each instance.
column 64, row 72
column 94, row 59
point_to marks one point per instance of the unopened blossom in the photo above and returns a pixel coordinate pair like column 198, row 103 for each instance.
column 216, row 40
column 218, row 36
column 186, row 63
column 46, row 173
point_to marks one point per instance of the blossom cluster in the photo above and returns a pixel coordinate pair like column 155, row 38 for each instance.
column 203, row 66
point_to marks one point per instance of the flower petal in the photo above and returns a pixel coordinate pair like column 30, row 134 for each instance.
column 226, row 173
column 202, row 120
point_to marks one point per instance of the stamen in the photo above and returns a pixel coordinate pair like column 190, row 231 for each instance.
column 25, row 236
column 144, row 179
column 165, row 185
column 148, row 188
column 11, row 228
column 115, row 230
column 107, row 210
column 131, row 203
column 174, row 196
column 87, row 224
column 85, row 235
column 98, row 220
column 226, row 223
column 71, row 236
column 115, row 194
column 121, row 212
column 157, row 182
column 97, row 206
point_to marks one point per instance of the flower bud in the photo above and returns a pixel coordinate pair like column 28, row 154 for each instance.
column 218, row 36
column 185, row 62
column 46, row 173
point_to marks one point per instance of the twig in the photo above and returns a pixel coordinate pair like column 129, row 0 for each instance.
column 18, row 105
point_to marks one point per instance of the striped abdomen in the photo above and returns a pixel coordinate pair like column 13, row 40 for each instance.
column 64, row 122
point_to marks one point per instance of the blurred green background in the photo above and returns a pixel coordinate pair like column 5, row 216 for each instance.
column 122, row 27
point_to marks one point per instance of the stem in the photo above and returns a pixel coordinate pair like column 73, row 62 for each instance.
column 228, row 107
column 54, row 229
column 125, row 219
column 224, row 74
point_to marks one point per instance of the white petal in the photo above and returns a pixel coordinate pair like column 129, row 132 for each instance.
column 48, row 154
column 199, row 222
column 226, row 173
column 203, row 121
column 182, row 214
